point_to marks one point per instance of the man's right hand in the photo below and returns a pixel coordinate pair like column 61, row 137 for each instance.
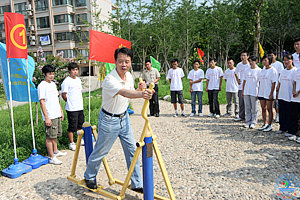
column 48, row 122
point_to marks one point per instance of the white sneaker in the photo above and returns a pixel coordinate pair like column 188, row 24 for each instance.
column 200, row 115
column 183, row 114
column 175, row 115
column 298, row 141
column 237, row 116
column 279, row 132
column 252, row 126
column 293, row 138
column 217, row 116
column 246, row 126
column 59, row 153
column 210, row 115
column 227, row 115
column 55, row 161
column 268, row 128
column 237, row 119
column 72, row 146
column 287, row 134
column 192, row 114
column 277, row 118
column 82, row 142
column 263, row 127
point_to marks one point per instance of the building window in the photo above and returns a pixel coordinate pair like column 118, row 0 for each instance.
column 79, row 3
column 20, row 8
column 4, row 9
column 2, row 27
column 62, row 2
column 84, row 53
column 43, row 22
column 65, row 18
column 64, row 36
column 82, row 36
column 67, row 53
column 41, row 5
column 81, row 18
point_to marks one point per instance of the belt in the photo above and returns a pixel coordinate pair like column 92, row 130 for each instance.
column 115, row 115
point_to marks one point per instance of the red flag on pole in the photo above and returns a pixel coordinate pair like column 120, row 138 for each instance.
column 15, row 34
column 103, row 46
column 201, row 54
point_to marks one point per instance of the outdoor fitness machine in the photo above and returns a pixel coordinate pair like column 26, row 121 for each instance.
column 147, row 142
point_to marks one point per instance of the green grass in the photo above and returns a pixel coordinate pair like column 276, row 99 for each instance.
column 2, row 96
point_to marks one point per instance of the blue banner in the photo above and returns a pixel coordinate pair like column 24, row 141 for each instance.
column 18, row 77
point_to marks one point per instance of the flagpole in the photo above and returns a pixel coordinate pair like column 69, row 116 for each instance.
column 29, row 97
column 11, row 109
column 89, row 91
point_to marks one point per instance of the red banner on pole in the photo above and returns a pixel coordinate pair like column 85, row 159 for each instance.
column 15, row 34
column 103, row 46
column 201, row 54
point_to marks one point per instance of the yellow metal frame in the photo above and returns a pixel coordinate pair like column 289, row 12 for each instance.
column 125, row 185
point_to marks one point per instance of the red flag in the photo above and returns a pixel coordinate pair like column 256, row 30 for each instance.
column 201, row 54
column 103, row 46
column 15, row 33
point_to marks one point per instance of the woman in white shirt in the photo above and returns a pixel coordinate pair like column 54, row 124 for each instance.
column 267, row 80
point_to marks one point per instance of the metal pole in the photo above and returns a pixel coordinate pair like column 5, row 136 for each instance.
column 89, row 91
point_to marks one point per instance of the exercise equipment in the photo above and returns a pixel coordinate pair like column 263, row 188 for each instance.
column 147, row 131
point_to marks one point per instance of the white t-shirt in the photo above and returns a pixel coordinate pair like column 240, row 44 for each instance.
column 278, row 66
column 175, row 75
column 286, row 84
column 112, row 84
column 266, row 78
column 240, row 70
column 213, row 75
column 296, row 60
column 49, row 93
column 296, row 78
column 194, row 76
column 73, row 89
column 251, row 78
column 231, row 83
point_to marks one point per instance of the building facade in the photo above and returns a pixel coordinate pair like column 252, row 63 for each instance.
column 60, row 25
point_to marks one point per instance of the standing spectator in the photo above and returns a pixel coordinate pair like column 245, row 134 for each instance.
column 267, row 80
column 296, row 55
column 240, row 74
column 231, row 89
column 214, row 76
column 175, row 76
column 295, row 106
column 250, row 91
column 196, row 77
column 151, row 75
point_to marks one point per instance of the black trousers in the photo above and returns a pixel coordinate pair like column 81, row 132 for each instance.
column 295, row 115
column 284, row 115
column 213, row 101
column 153, row 102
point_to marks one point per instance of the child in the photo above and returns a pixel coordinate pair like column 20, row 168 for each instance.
column 214, row 77
column 71, row 93
column 267, row 80
column 296, row 55
column 51, row 112
column 295, row 105
column 231, row 89
column 196, row 76
column 250, row 90
column 175, row 76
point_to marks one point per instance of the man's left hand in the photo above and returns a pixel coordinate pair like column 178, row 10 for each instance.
column 147, row 94
column 142, row 85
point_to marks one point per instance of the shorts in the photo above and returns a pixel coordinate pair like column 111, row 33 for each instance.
column 180, row 97
column 263, row 98
column 75, row 120
column 55, row 130
column 276, row 104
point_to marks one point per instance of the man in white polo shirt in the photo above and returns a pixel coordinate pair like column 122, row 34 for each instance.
column 114, row 121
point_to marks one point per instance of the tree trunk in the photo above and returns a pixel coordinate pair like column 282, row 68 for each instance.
column 258, row 28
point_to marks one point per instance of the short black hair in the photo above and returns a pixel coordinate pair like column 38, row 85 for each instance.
column 246, row 52
column 72, row 65
column 288, row 56
column 272, row 51
column 269, row 57
column 253, row 58
column 230, row 59
column 296, row 40
column 198, row 61
column 148, row 60
column 212, row 59
column 47, row 68
column 174, row 60
column 124, row 50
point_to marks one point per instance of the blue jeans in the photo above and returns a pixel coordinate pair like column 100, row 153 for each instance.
column 109, row 129
column 199, row 94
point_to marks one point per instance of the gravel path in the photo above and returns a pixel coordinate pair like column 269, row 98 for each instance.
column 206, row 158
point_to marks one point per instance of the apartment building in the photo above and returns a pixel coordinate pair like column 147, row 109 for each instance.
column 60, row 25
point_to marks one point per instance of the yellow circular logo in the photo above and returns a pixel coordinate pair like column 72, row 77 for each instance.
column 21, row 34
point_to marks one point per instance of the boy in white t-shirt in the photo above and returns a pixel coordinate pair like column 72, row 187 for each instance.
column 51, row 112
column 231, row 89
column 295, row 105
column 196, row 77
column 296, row 55
column 71, row 92
column 250, row 91
column 175, row 76
column 214, row 76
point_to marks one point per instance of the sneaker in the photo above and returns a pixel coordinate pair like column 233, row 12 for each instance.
column 183, row 114
column 237, row 119
column 55, row 161
column 210, row 115
column 279, row 132
column 200, row 115
column 72, row 146
column 298, row 141
column 192, row 114
column 227, row 115
column 252, row 126
column 59, row 153
column 246, row 126
column 217, row 116
column 175, row 115
column 293, row 137
column 277, row 118
column 82, row 142
column 263, row 127
column 287, row 134
column 268, row 128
